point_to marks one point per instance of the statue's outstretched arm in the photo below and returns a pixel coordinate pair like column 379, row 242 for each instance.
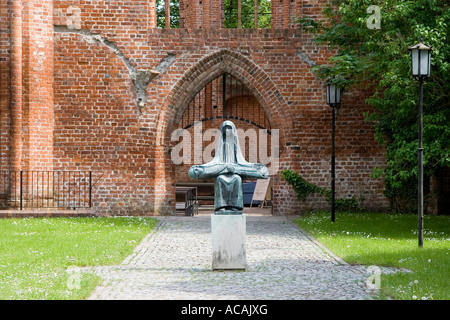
column 254, row 171
column 207, row 172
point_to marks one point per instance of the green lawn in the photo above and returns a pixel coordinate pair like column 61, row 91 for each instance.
column 36, row 255
column 390, row 240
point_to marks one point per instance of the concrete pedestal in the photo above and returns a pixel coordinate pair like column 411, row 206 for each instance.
column 228, row 242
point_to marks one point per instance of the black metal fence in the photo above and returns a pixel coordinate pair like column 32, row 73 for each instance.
column 45, row 189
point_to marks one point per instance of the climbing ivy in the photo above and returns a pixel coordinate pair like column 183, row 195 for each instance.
column 304, row 188
column 301, row 187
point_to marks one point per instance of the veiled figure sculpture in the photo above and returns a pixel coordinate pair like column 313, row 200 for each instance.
column 229, row 168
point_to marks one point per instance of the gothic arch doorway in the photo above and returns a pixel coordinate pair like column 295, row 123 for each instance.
column 224, row 97
column 259, row 86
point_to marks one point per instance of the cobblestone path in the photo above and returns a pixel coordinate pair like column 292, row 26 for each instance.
column 283, row 262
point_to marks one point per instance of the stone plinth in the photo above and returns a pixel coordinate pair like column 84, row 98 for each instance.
column 228, row 241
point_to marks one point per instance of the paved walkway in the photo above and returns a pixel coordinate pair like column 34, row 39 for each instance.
column 174, row 262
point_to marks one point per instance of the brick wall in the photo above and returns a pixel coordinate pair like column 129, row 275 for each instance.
column 38, row 85
column 120, row 87
column 5, row 54
column 26, row 87
column 269, row 63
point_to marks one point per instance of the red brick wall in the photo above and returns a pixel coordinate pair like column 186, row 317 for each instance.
column 5, row 53
column 110, row 57
column 26, row 85
column 268, row 63
column 97, row 122
column 38, row 85
column 201, row 14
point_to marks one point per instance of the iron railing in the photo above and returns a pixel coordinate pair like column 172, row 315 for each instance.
column 45, row 189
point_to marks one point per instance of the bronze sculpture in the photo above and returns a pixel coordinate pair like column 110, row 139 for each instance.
column 229, row 168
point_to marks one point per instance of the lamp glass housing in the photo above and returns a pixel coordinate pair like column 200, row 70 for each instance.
column 333, row 94
column 420, row 60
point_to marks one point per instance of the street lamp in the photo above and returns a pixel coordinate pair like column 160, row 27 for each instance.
column 333, row 100
column 420, row 68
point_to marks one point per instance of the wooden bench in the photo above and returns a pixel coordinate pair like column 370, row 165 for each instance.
column 205, row 190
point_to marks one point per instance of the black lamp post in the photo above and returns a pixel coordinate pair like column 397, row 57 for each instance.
column 420, row 68
column 333, row 100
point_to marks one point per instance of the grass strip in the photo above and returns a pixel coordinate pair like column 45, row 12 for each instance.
column 37, row 254
column 382, row 239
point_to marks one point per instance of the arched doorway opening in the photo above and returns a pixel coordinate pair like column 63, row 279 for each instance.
column 223, row 98
column 196, row 77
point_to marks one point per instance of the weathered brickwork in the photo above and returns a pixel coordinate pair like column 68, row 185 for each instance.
column 27, row 107
column 5, row 78
column 103, row 90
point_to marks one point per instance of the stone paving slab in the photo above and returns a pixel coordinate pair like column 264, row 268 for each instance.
column 283, row 262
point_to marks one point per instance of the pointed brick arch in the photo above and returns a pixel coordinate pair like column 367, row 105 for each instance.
column 209, row 68
column 204, row 71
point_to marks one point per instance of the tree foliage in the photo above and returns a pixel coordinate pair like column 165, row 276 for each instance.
column 231, row 13
column 380, row 58
column 174, row 14
column 247, row 13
